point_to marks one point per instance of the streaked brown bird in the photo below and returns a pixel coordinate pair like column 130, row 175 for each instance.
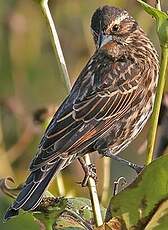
column 107, row 107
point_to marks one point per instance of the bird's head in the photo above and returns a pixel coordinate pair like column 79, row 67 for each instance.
column 111, row 24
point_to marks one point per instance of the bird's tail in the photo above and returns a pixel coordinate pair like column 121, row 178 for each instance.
column 31, row 193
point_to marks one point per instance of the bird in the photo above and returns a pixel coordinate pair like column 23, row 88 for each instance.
column 107, row 107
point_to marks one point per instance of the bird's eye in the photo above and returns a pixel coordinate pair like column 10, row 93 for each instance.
column 115, row 27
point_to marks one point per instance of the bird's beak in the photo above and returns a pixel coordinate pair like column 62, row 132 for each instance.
column 103, row 39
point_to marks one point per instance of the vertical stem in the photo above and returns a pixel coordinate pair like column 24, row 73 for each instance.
column 94, row 196
column 106, row 179
column 56, row 44
column 60, row 184
column 157, row 104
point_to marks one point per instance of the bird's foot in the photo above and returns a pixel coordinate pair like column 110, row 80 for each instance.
column 108, row 153
column 89, row 170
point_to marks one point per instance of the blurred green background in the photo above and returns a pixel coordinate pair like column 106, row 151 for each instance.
column 29, row 80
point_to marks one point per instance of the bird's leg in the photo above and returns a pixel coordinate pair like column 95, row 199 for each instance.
column 89, row 170
column 108, row 153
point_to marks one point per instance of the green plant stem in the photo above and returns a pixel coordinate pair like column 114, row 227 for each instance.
column 60, row 184
column 157, row 104
column 56, row 45
column 94, row 196
column 106, row 180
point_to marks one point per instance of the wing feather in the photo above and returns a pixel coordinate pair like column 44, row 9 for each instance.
column 99, row 95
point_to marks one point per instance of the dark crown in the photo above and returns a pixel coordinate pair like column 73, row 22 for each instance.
column 103, row 16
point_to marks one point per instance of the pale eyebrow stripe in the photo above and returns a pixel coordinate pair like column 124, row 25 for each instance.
column 118, row 20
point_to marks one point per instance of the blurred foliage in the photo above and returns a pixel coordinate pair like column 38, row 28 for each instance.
column 29, row 80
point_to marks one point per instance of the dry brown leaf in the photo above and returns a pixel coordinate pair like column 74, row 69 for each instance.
column 6, row 188
column 113, row 224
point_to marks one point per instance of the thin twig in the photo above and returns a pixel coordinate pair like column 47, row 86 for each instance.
column 157, row 104
column 56, row 44
column 94, row 196
column 60, row 184
column 106, row 180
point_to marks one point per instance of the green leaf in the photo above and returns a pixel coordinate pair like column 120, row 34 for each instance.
column 144, row 203
column 153, row 11
column 159, row 219
column 161, row 22
column 65, row 213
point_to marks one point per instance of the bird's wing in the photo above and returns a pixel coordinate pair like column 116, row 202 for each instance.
column 104, row 91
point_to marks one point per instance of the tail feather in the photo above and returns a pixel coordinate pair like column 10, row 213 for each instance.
column 31, row 194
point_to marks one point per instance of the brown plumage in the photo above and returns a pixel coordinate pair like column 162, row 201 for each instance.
column 107, row 107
